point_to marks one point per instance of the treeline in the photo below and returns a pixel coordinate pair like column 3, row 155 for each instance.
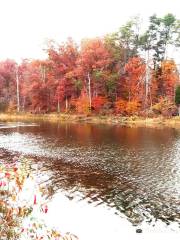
column 127, row 72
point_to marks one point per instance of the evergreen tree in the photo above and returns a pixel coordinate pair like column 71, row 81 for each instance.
column 177, row 98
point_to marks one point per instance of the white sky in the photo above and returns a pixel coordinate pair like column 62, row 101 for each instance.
column 26, row 24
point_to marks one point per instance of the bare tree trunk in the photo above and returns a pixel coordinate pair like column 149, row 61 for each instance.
column 24, row 103
column 66, row 104
column 147, row 81
column 58, row 106
column 89, row 91
column 43, row 73
column 129, row 91
column 150, row 95
column 17, row 89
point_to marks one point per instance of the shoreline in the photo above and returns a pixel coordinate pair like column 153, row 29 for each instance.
column 133, row 121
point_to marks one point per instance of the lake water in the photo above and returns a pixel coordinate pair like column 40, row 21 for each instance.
column 104, row 180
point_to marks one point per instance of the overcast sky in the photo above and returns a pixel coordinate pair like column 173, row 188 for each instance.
column 26, row 24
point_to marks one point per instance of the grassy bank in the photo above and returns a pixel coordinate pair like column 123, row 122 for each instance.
column 98, row 119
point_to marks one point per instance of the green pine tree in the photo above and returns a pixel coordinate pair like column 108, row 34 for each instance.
column 177, row 98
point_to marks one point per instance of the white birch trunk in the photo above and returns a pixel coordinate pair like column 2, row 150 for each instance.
column 89, row 91
column 17, row 89
column 147, row 80
column 66, row 104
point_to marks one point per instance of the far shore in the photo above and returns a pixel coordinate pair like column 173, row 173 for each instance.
column 132, row 121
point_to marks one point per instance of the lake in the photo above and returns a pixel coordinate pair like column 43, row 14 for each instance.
column 104, row 180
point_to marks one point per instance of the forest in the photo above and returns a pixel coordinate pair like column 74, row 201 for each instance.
column 127, row 72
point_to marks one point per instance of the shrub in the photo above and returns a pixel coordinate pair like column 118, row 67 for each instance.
column 120, row 107
column 127, row 108
column 12, row 107
column 98, row 103
column 165, row 107
column 82, row 105
column 132, row 108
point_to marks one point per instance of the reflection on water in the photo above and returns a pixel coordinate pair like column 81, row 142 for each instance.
column 134, row 171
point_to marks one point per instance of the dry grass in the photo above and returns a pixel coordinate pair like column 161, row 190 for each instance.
column 98, row 119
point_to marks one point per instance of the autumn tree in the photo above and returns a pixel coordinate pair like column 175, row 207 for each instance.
column 126, row 72
column 94, row 61
column 35, row 89
column 8, row 84
column 63, row 59
column 134, row 80
column 168, row 79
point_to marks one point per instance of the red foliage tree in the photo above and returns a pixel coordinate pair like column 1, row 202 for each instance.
column 35, row 88
column 94, row 60
column 63, row 68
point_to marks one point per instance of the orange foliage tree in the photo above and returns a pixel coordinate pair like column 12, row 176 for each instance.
column 82, row 105
column 120, row 107
column 168, row 79
column 134, row 80
column 132, row 107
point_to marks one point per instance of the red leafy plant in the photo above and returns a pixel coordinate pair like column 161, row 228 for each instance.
column 20, row 203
